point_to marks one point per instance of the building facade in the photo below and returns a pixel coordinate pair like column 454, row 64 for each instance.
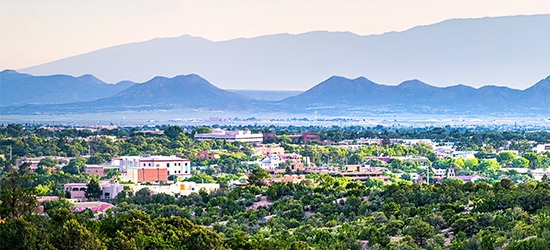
column 153, row 168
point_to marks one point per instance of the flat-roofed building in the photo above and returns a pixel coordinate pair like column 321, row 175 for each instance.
column 231, row 136
column 170, row 165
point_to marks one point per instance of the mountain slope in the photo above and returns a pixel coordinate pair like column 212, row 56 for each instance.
column 188, row 91
column 497, row 50
column 19, row 89
column 339, row 94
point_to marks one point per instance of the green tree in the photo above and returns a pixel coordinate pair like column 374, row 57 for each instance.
column 93, row 191
column 16, row 197
column 75, row 166
column 520, row 163
column 535, row 160
column 257, row 176
column 173, row 132
column 72, row 235
column 505, row 158
column 420, row 231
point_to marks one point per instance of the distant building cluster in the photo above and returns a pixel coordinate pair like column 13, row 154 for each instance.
column 231, row 136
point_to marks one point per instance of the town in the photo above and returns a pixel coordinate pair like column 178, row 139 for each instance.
column 96, row 170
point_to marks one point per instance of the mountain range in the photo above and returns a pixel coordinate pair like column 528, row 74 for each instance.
column 336, row 96
column 18, row 89
column 508, row 51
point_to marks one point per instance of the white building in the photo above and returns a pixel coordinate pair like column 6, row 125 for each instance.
column 172, row 164
column 270, row 162
column 542, row 148
column 231, row 136
column 179, row 189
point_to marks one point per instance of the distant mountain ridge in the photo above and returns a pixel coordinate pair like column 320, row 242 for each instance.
column 19, row 89
column 507, row 51
column 340, row 94
column 336, row 96
column 189, row 91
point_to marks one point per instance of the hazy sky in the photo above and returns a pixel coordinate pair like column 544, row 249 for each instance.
column 37, row 31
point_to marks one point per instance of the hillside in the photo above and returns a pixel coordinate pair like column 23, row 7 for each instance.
column 189, row 91
column 359, row 96
column 19, row 89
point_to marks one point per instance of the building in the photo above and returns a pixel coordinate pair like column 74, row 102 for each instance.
column 95, row 170
column 305, row 137
column 153, row 168
column 265, row 150
column 111, row 190
column 77, row 191
column 542, row 148
column 147, row 174
column 231, row 136
column 285, row 179
column 270, row 162
column 94, row 206
column 465, row 178
column 364, row 175
column 179, row 189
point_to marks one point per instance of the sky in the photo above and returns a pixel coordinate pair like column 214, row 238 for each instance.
column 33, row 32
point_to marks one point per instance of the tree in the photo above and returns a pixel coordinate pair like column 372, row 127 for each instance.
column 203, row 130
column 173, row 132
column 17, row 198
column 143, row 196
column 520, row 163
column 471, row 163
column 72, row 235
column 420, row 231
column 93, row 191
column 535, row 160
column 505, row 158
column 75, row 166
column 257, row 176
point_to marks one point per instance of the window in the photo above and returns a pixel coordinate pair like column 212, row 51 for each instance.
column 167, row 165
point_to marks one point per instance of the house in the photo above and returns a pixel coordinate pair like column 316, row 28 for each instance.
column 94, row 206
column 95, row 170
column 270, row 162
column 265, row 150
column 77, row 191
column 205, row 154
column 465, row 178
